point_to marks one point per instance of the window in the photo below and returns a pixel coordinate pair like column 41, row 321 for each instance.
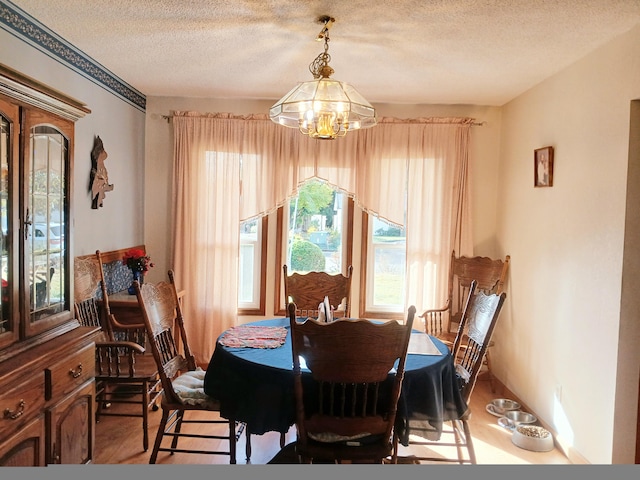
column 384, row 257
column 252, row 267
column 315, row 232
column 318, row 233
column 315, row 222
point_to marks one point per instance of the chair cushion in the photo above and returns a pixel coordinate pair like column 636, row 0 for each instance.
column 330, row 437
column 190, row 388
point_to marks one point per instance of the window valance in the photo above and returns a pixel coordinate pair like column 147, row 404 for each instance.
column 371, row 165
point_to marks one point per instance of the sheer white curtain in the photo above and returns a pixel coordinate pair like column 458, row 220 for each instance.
column 206, row 220
column 230, row 168
column 438, row 213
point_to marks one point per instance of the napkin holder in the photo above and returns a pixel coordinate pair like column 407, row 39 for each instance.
column 325, row 311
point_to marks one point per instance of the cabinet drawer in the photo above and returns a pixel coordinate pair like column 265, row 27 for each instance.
column 68, row 374
column 21, row 404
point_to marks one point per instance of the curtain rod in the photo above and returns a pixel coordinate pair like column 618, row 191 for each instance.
column 473, row 124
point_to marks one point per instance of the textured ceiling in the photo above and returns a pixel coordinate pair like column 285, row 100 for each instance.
column 482, row 52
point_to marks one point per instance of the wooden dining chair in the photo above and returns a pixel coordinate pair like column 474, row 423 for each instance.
column 124, row 374
column 131, row 332
column 490, row 276
column 480, row 314
column 347, row 381
column 182, row 380
column 307, row 291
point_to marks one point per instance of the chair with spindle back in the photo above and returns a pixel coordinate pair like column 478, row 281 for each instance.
column 182, row 380
column 477, row 322
column 129, row 331
column 490, row 276
column 124, row 374
column 307, row 291
column 348, row 376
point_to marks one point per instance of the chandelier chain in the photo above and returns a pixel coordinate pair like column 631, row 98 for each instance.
column 320, row 65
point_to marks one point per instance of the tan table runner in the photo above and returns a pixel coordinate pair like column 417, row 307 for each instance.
column 421, row 344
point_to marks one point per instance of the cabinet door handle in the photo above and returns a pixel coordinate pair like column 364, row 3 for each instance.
column 27, row 222
column 17, row 413
column 54, row 454
column 76, row 373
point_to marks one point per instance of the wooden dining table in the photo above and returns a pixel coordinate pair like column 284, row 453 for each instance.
column 255, row 385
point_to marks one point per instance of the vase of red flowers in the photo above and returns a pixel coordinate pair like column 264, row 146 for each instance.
column 139, row 263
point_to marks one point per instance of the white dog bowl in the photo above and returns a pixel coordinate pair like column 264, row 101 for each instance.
column 532, row 437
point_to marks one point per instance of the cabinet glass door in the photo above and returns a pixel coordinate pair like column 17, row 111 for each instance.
column 46, row 223
column 46, row 233
column 5, row 149
column 9, row 126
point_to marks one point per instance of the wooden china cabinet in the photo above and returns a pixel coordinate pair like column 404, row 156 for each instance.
column 47, row 359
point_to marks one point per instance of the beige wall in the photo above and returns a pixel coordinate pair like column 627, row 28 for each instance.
column 119, row 223
column 557, row 340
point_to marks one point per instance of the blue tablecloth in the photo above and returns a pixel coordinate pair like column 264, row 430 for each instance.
column 255, row 386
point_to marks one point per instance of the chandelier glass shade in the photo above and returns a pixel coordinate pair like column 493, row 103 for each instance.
column 323, row 108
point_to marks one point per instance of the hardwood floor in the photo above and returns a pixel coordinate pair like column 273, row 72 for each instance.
column 119, row 441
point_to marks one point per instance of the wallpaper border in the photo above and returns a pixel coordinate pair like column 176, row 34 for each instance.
column 28, row 29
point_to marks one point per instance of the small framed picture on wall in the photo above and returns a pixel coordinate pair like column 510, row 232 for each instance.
column 543, row 167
